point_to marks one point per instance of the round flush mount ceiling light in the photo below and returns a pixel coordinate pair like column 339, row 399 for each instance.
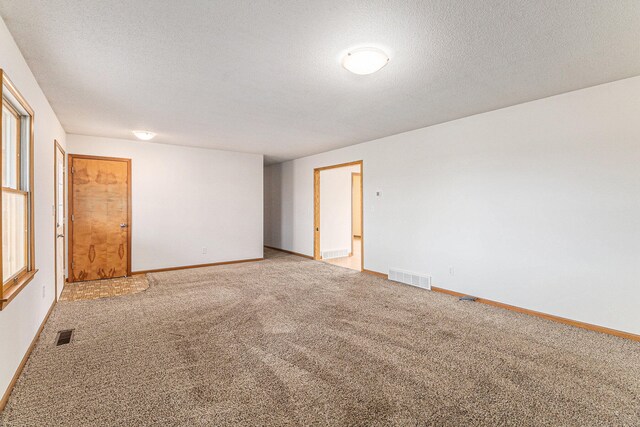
column 144, row 135
column 365, row 60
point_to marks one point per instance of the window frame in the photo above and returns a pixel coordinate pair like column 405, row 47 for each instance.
column 15, row 113
column 8, row 93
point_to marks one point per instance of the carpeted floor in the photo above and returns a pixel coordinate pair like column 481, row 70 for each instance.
column 288, row 341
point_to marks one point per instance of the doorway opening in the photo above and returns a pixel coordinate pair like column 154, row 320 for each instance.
column 59, row 195
column 338, row 215
column 100, row 213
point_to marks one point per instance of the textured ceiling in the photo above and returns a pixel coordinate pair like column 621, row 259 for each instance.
column 265, row 76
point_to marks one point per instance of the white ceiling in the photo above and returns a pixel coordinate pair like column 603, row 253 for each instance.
column 265, row 76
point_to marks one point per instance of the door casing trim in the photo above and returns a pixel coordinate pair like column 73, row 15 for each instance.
column 56, row 147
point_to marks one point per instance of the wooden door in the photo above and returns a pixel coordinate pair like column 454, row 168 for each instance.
column 100, row 209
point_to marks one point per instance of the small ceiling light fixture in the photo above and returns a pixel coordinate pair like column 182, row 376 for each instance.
column 365, row 60
column 144, row 135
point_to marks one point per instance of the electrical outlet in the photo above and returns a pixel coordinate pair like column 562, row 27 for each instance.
column 204, row 251
column 451, row 272
column 379, row 193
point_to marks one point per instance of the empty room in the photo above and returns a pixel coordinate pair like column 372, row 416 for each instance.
column 341, row 213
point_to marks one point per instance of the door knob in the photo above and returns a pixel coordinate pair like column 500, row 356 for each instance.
column 123, row 225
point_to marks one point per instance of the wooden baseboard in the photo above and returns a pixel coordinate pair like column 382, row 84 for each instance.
column 289, row 252
column 546, row 316
column 186, row 267
column 7, row 393
column 375, row 273
column 551, row 317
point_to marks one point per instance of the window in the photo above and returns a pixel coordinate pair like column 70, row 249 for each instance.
column 16, row 169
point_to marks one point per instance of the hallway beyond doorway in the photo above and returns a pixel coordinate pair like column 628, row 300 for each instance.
column 353, row 261
column 338, row 215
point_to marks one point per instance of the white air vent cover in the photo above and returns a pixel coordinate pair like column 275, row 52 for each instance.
column 340, row 253
column 408, row 278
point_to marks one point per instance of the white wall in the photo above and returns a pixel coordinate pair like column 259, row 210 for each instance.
column 535, row 205
column 335, row 208
column 185, row 199
column 20, row 320
column 356, row 205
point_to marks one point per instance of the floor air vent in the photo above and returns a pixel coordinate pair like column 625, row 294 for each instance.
column 64, row 337
column 408, row 278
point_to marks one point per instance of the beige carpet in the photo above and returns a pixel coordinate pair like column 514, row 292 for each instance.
column 288, row 341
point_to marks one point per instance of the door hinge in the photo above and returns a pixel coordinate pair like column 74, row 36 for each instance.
column 73, row 217
column 73, row 265
column 73, row 169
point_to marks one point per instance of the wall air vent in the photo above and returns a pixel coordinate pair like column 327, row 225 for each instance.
column 340, row 253
column 408, row 278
